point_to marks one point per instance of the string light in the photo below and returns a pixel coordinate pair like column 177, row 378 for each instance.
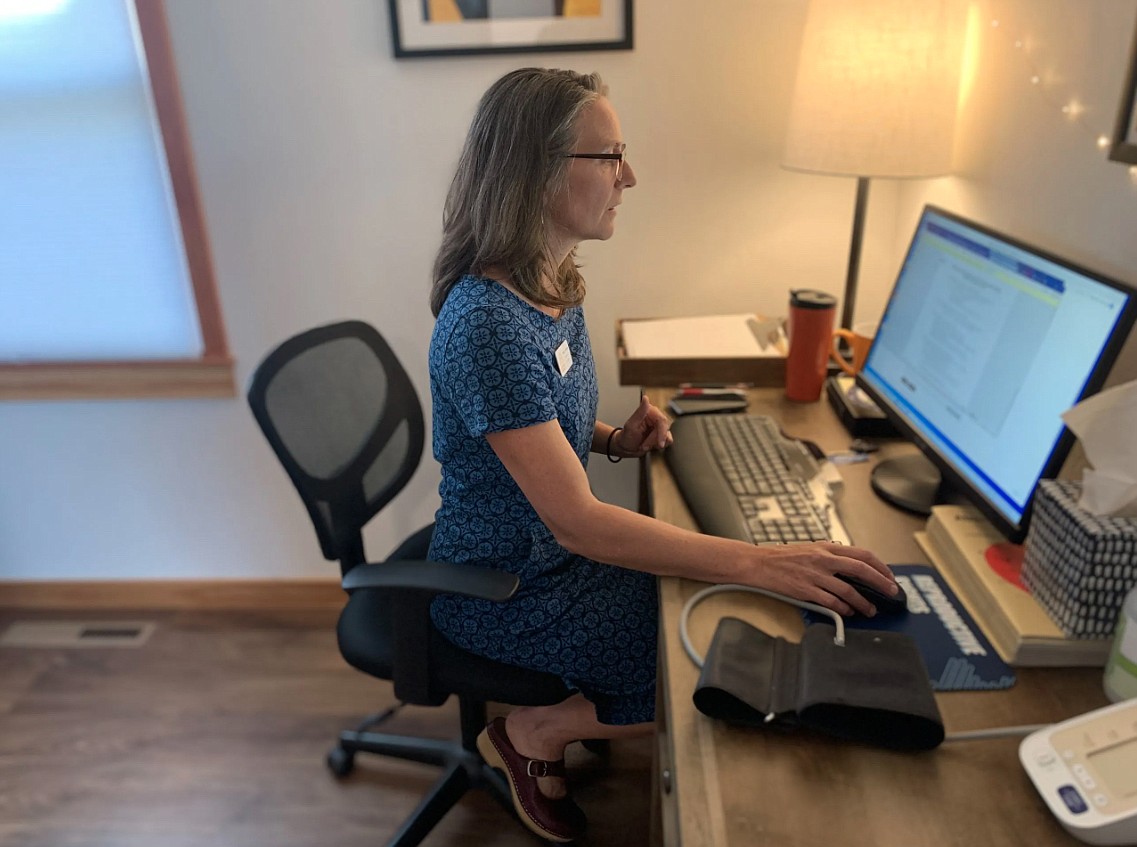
column 1071, row 108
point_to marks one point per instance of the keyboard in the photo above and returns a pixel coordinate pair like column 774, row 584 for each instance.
column 743, row 479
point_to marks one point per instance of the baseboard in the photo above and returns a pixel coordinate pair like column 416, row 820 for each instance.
column 173, row 594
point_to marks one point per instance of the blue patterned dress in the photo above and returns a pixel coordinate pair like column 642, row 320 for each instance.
column 492, row 368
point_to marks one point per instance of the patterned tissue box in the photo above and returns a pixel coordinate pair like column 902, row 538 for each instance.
column 1079, row 566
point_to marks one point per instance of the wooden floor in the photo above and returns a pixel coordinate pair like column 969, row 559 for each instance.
column 213, row 734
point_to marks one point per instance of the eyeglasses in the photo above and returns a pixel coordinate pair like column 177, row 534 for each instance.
column 618, row 158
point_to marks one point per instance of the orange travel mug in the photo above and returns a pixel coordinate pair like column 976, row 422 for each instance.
column 810, row 329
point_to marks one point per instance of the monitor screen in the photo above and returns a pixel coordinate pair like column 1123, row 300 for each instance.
column 984, row 342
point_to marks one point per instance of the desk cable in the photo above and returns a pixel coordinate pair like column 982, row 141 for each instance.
column 700, row 596
column 838, row 639
column 995, row 732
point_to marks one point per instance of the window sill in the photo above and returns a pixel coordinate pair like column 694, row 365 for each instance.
column 173, row 379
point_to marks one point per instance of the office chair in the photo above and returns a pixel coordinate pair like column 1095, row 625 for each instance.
column 344, row 420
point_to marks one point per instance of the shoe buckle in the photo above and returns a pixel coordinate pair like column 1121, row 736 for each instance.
column 537, row 768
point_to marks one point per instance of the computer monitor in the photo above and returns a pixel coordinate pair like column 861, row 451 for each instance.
column 984, row 342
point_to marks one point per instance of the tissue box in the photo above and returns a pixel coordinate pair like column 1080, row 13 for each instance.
column 1078, row 565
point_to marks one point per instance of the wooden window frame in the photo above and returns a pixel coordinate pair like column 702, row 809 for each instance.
column 211, row 374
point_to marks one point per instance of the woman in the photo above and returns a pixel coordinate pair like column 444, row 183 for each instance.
column 514, row 393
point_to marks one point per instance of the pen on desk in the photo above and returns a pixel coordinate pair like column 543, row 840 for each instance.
column 847, row 458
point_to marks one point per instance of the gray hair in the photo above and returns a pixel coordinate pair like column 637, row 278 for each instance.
column 511, row 164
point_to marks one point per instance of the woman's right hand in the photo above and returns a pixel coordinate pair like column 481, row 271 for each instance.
column 808, row 572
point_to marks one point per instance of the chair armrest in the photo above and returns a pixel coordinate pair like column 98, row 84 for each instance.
column 433, row 577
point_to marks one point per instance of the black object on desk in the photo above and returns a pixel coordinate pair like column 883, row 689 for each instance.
column 859, row 415
column 680, row 406
column 873, row 689
column 885, row 605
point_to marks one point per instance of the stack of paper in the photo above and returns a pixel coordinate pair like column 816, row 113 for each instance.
column 957, row 540
column 704, row 336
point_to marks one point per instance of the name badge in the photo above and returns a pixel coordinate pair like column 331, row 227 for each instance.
column 564, row 358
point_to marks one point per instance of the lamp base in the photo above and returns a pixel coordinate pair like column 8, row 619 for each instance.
column 859, row 415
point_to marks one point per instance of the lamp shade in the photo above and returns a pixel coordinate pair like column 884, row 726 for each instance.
column 877, row 88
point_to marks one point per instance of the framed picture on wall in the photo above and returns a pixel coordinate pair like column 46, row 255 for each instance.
column 1124, row 148
column 467, row 27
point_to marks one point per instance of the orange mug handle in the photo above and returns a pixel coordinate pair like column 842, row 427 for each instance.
column 848, row 335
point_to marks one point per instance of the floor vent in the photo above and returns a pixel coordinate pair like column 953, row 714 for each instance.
column 65, row 634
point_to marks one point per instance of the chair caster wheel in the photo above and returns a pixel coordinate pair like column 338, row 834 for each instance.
column 340, row 761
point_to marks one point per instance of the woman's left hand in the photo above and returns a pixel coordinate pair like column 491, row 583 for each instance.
column 647, row 429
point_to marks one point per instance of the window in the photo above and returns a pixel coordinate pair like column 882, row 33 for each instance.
column 106, row 279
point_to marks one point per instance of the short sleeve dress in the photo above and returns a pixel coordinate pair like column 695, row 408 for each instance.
column 493, row 367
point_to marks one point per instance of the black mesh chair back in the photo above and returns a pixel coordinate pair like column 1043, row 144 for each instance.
column 344, row 419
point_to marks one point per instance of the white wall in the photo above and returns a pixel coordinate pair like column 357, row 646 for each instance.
column 323, row 165
column 1028, row 169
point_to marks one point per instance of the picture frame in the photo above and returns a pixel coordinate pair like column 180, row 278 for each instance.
column 1124, row 146
column 472, row 27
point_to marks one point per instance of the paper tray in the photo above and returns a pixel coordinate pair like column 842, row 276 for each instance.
column 760, row 371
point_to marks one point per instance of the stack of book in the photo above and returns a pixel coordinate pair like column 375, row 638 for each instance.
column 958, row 540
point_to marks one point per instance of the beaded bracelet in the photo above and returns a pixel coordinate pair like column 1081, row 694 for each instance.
column 608, row 449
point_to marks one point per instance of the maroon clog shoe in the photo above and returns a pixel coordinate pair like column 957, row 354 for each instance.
column 558, row 820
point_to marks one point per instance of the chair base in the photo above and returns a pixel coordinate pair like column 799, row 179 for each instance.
column 463, row 769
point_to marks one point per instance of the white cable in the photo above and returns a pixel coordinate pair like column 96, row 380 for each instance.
column 699, row 596
column 995, row 732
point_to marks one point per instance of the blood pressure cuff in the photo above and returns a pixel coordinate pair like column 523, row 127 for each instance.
column 873, row 690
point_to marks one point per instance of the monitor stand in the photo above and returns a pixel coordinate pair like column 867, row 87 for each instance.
column 911, row 482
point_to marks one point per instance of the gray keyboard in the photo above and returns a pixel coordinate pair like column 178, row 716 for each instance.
column 742, row 479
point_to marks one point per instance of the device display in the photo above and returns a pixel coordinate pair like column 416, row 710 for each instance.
column 1086, row 771
column 984, row 342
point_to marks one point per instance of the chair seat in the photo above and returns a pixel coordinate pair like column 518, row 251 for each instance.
column 343, row 417
column 367, row 643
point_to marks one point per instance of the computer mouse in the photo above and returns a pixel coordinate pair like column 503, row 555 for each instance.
column 885, row 605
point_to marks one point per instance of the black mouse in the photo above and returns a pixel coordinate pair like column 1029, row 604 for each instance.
column 885, row 605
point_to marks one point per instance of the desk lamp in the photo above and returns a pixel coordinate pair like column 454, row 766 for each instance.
column 876, row 95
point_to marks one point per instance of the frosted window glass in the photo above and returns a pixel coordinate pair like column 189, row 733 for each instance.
column 92, row 264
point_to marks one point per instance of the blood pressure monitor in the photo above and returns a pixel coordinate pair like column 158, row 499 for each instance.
column 1086, row 771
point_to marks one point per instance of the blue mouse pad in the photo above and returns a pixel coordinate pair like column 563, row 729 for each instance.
column 958, row 655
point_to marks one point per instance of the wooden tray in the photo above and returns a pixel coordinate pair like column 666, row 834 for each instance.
column 759, row 371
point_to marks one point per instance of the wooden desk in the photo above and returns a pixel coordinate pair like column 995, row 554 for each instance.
column 722, row 785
